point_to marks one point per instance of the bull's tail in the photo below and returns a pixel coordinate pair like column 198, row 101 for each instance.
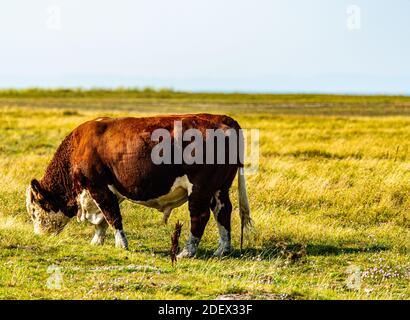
column 244, row 210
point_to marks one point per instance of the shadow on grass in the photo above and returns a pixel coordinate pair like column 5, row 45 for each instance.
column 293, row 251
column 289, row 251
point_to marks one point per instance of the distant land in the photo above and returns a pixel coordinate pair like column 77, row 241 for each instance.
column 320, row 84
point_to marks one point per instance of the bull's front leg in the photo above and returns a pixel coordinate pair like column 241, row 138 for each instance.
column 100, row 233
column 91, row 213
column 107, row 202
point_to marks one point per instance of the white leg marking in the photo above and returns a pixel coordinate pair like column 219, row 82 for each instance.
column 190, row 248
column 121, row 240
column 218, row 204
column 224, row 241
column 89, row 209
column 100, row 232
column 224, row 235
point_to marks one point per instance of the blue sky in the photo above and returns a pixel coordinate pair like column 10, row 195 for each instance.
column 229, row 45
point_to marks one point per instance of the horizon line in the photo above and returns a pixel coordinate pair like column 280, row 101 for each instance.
column 156, row 89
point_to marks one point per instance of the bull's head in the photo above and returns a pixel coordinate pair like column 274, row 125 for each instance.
column 44, row 210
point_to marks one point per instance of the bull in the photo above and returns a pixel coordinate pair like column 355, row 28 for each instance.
column 107, row 160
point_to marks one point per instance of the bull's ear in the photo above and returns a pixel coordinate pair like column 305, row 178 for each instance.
column 36, row 188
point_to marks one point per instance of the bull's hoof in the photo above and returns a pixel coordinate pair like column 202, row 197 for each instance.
column 121, row 240
column 97, row 240
column 185, row 253
column 222, row 251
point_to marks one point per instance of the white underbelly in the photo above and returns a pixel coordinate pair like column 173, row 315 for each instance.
column 171, row 200
column 177, row 196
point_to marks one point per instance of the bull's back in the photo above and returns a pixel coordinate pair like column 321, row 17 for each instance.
column 120, row 149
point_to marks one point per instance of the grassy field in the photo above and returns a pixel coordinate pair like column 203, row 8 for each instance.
column 330, row 202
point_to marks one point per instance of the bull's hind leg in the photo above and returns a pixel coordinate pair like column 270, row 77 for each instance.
column 199, row 212
column 222, row 209
column 107, row 202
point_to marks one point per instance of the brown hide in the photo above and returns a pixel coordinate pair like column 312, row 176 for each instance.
column 117, row 152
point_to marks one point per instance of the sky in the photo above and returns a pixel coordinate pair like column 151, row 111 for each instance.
column 338, row 46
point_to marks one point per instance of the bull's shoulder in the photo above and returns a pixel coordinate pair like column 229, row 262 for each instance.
column 93, row 127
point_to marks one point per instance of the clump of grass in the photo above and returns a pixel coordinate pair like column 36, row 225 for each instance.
column 71, row 113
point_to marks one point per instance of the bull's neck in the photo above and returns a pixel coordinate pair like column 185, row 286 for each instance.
column 58, row 176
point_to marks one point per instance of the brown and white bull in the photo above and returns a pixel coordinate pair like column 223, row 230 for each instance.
column 104, row 161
